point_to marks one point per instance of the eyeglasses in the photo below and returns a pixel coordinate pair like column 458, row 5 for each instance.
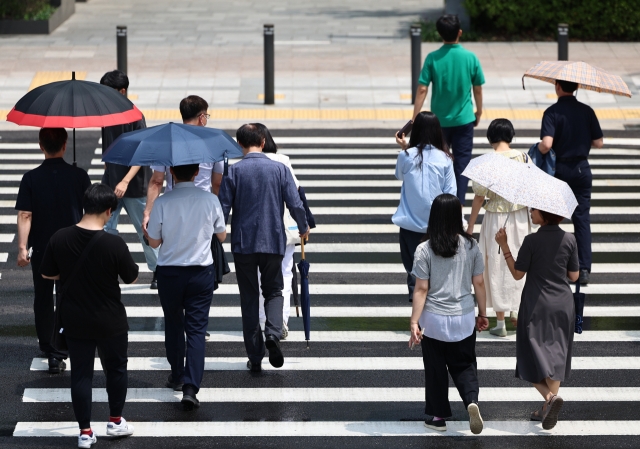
column 205, row 116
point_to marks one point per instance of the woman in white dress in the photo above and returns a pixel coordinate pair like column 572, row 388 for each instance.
column 503, row 292
column 270, row 150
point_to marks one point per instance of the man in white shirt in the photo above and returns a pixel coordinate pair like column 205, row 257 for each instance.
column 183, row 221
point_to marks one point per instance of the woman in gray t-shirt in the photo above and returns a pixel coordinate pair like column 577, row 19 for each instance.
column 443, row 317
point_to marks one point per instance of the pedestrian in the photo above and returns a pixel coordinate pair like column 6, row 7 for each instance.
column 572, row 128
column 503, row 292
column 193, row 110
column 271, row 151
column 426, row 170
column 544, row 336
column 454, row 72
column 257, row 189
column 88, row 261
column 443, row 317
column 49, row 199
column 184, row 221
column 128, row 183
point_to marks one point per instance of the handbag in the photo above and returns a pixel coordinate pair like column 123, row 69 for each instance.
column 58, row 340
column 545, row 162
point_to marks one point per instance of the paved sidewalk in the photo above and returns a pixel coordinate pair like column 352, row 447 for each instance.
column 337, row 62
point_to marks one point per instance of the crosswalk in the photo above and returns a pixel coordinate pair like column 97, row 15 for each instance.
column 359, row 378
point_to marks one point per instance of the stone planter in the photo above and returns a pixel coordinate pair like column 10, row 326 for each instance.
column 65, row 9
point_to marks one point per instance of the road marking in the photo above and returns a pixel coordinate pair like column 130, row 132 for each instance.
column 6, row 238
column 361, row 312
column 347, row 364
column 382, row 336
column 253, row 429
column 288, row 395
column 19, row 146
column 4, row 257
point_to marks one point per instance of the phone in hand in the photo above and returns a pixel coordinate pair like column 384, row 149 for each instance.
column 406, row 129
column 145, row 240
column 30, row 253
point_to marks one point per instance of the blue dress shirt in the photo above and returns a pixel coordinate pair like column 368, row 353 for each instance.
column 257, row 189
column 421, row 183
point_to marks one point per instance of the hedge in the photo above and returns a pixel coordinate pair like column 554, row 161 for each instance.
column 589, row 20
column 26, row 9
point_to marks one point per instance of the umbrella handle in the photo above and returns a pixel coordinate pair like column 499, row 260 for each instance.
column 297, row 312
column 302, row 247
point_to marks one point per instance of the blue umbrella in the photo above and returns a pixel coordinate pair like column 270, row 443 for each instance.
column 305, row 303
column 578, row 300
column 172, row 144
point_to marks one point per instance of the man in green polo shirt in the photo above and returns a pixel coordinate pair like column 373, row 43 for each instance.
column 454, row 73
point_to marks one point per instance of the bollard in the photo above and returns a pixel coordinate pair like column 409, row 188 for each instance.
column 269, row 66
column 121, row 38
column 416, row 58
column 563, row 42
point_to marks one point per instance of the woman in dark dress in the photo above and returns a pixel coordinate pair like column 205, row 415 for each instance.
column 546, row 318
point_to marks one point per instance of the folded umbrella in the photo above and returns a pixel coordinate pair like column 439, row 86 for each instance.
column 172, row 144
column 522, row 183
column 305, row 303
column 73, row 104
column 587, row 76
column 578, row 300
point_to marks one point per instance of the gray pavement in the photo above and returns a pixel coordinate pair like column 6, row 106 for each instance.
column 597, row 408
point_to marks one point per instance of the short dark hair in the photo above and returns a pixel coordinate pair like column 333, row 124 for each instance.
column 567, row 86
column 448, row 27
column 250, row 135
column 52, row 139
column 427, row 131
column 185, row 172
column 192, row 106
column 445, row 225
column 550, row 218
column 269, row 144
column 116, row 79
column 98, row 198
column 500, row 130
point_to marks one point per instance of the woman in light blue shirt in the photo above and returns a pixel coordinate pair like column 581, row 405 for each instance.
column 425, row 168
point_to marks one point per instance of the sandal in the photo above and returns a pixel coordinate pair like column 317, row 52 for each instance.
column 537, row 414
column 550, row 416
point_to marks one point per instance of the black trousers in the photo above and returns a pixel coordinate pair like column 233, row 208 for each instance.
column 578, row 176
column 186, row 294
column 272, row 283
column 460, row 140
column 459, row 358
column 409, row 241
column 113, row 355
column 43, row 307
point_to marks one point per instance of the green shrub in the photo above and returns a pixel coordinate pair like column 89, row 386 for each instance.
column 26, row 9
column 589, row 20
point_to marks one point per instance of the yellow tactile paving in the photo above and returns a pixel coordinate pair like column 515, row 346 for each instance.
column 41, row 78
column 275, row 113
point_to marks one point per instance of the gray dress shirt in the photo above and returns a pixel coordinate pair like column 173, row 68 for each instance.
column 257, row 190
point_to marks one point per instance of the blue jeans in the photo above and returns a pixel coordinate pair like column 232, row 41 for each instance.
column 135, row 209
column 460, row 140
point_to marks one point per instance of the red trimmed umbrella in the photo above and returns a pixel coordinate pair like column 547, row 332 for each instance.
column 73, row 104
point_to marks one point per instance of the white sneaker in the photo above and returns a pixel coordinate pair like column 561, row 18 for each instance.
column 124, row 429
column 285, row 331
column 475, row 420
column 86, row 441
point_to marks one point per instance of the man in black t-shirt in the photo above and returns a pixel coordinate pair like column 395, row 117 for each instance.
column 129, row 183
column 572, row 128
column 49, row 198
column 91, row 311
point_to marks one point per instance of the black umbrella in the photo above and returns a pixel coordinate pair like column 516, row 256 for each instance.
column 578, row 300
column 73, row 104
column 305, row 303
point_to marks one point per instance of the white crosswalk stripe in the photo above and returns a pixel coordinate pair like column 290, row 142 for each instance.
column 346, row 243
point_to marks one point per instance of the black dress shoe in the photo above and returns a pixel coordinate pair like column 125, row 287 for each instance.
column 154, row 282
column 175, row 386
column 584, row 277
column 189, row 400
column 56, row 366
column 275, row 354
column 254, row 367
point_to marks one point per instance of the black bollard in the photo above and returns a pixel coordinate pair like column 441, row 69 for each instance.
column 416, row 58
column 121, row 38
column 269, row 66
column 563, row 42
